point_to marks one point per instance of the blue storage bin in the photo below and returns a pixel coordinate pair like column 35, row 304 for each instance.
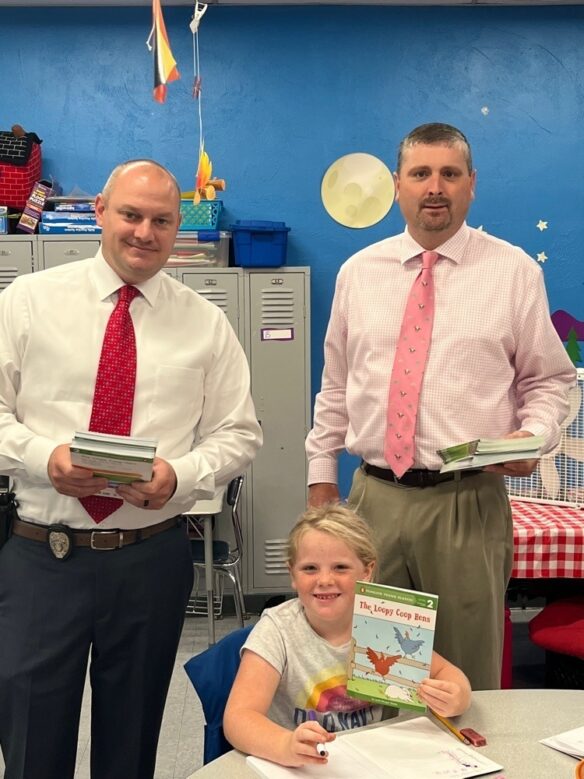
column 200, row 216
column 259, row 244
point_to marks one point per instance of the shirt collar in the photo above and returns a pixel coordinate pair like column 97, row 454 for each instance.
column 452, row 249
column 107, row 282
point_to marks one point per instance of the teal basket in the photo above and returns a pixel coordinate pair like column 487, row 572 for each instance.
column 201, row 216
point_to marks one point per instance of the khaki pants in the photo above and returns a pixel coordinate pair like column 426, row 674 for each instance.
column 454, row 540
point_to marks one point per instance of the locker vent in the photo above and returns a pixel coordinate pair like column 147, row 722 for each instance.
column 278, row 307
column 7, row 276
column 275, row 563
column 216, row 296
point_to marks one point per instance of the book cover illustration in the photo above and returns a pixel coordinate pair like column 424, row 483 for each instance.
column 391, row 646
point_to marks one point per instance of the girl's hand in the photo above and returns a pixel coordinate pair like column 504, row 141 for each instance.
column 446, row 698
column 301, row 745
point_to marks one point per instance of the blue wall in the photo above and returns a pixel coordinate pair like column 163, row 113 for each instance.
column 287, row 90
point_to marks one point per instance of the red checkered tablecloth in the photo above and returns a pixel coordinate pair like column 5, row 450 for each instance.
column 548, row 541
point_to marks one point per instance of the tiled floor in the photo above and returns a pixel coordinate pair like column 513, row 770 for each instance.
column 181, row 739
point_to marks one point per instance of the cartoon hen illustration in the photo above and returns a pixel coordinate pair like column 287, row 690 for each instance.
column 380, row 661
column 409, row 645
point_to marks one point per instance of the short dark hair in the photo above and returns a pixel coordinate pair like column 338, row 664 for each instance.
column 435, row 133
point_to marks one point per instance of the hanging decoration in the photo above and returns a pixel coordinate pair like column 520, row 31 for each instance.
column 205, row 186
column 198, row 14
column 165, row 69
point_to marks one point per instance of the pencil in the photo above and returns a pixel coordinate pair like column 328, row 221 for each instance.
column 447, row 724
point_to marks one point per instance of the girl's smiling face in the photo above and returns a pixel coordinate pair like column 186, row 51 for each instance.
column 324, row 575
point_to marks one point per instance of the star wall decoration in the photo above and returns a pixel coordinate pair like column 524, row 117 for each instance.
column 541, row 225
column 542, row 257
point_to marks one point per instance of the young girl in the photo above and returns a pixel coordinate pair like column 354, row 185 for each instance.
column 290, row 691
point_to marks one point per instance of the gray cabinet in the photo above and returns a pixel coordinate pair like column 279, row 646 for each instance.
column 270, row 313
column 277, row 346
column 221, row 286
column 57, row 249
column 17, row 256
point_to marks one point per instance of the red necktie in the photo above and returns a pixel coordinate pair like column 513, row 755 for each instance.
column 408, row 369
column 113, row 399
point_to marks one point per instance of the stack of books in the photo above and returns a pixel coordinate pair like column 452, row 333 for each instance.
column 489, row 451
column 119, row 459
column 69, row 214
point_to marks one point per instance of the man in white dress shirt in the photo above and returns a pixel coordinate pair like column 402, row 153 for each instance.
column 495, row 368
column 119, row 595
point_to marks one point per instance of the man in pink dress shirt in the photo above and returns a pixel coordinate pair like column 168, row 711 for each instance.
column 496, row 368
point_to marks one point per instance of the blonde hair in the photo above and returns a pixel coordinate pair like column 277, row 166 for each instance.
column 338, row 521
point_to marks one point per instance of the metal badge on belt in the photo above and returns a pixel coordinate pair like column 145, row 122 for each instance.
column 60, row 540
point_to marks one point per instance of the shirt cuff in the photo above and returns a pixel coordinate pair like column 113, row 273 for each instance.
column 190, row 485
column 551, row 437
column 322, row 470
column 36, row 458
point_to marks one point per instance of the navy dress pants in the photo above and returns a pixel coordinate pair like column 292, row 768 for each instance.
column 122, row 611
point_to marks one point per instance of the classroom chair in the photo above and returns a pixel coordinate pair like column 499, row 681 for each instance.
column 226, row 558
column 559, row 629
column 212, row 674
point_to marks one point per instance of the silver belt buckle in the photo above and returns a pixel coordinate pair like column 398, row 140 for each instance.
column 96, row 533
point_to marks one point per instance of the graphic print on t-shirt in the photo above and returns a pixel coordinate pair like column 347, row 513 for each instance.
column 329, row 701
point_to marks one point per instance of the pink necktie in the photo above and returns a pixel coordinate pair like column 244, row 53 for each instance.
column 113, row 399
column 408, row 369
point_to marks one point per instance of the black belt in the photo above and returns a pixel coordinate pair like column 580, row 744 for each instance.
column 417, row 477
column 61, row 538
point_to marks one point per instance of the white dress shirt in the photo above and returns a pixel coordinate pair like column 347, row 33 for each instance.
column 495, row 364
column 192, row 386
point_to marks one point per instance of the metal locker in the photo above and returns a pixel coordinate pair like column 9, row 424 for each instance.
column 221, row 286
column 273, row 324
column 278, row 349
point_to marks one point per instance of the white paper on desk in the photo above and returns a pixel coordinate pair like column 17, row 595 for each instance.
column 402, row 750
column 341, row 765
column 571, row 742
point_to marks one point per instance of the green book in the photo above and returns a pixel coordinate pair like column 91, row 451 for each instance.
column 391, row 645
column 492, row 446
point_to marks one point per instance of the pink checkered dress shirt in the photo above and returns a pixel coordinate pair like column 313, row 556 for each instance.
column 495, row 365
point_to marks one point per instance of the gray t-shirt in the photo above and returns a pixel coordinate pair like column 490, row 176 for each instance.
column 313, row 672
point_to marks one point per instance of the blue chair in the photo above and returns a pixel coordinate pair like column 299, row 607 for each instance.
column 212, row 673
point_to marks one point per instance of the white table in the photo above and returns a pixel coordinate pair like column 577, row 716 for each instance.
column 204, row 511
column 512, row 721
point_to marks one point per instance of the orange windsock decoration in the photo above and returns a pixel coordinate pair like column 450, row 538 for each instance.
column 165, row 69
column 204, row 171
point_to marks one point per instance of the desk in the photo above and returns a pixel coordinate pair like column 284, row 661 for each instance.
column 548, row 541
column 512, row 720
column 204, row 511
